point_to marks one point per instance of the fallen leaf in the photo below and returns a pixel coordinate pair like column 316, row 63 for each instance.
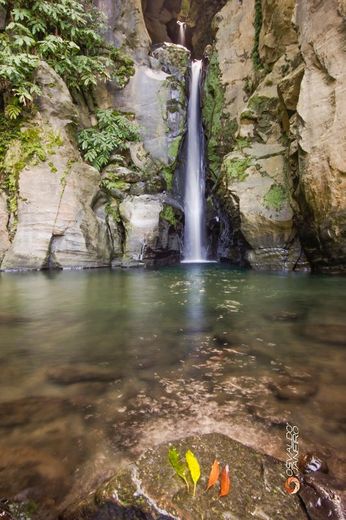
column 214, row 474
column 225, row 482
column 178, row 465
column 194, row 468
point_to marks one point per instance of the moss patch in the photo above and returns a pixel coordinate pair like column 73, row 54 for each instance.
column 275, row 197
column 243, row 142
column 185, row 8
column 168, row 214
column 112, row 211
column 174, row 147
column 258, row 25
column 20, row 147
column 111, row 182
column 168, row 175
column 235, row 169
column 220, row 129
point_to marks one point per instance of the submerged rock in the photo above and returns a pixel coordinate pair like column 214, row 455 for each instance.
column 293, row 388
column 30, row 410
column 70, row 375
column 331, row 333
column 150, row 489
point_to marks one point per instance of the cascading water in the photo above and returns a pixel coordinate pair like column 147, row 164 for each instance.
column 194, row 236
column 181, row 33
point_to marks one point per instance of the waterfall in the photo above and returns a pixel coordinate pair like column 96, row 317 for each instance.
column 181, row 33
column 194, row 236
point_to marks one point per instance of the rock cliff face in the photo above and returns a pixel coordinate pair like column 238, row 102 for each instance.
column 56, row 223
column 321, row 181
column 274, row 117
column 275, row 159
column 63, row 217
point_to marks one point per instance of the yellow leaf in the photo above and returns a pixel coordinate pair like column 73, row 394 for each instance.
column 195, row 470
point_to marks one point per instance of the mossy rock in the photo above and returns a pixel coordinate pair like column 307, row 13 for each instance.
column 220, row 128
column 168, row 214
column 235, row 168
column 275, row 197
column 150, row 489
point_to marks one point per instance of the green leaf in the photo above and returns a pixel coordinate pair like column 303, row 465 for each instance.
column 194, row 467
column 178, row 465
column 12, row 111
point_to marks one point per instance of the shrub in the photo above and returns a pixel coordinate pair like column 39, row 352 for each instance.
column 64, row 33
column 111, row 135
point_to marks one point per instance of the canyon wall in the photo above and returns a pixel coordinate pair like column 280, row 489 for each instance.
column 65, row 213
column 274, row 115
column 274, row 105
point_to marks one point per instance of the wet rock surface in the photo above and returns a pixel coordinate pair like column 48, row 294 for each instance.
column 257, row 486
column 324, row 497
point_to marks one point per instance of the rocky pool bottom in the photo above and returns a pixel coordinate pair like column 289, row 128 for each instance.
column 99, row 366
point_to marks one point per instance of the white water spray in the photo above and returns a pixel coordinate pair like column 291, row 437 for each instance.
column 194, row 236
column 182, row 33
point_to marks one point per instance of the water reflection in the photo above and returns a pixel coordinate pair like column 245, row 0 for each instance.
column 195, row 311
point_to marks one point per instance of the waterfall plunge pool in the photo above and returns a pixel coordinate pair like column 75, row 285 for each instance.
column 98, row 365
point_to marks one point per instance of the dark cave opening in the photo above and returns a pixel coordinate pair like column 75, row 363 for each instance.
column 162, row 16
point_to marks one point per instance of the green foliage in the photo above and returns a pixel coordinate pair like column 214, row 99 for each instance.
column 174, row 147
column 111, row 182
column 242, row 142
column 236, row 168
column 112, row 134
column 168, row 215
column 64, row 33
column 185, row 8
column 258, row 25
column 220, row 130
column 9, row 131
column 168, row 175
column 177, row 464
column 275, row 197
column 113, row 212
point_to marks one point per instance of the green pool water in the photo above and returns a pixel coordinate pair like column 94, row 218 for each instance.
column 98, row 365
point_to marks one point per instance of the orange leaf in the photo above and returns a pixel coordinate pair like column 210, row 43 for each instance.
column 225, row 482
column 214, row 474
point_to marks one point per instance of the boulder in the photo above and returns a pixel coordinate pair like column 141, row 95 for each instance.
column 324, row 496
column 150, row 489
column 173, row 60
column 253, row 181
column 148, row 239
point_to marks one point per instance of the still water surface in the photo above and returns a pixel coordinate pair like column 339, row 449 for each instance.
column 98, row 365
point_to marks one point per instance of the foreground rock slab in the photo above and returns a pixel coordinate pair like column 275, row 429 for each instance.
column 149, row 489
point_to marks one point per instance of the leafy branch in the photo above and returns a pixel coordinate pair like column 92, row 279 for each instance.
column 111, row 135
column 64, row 33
